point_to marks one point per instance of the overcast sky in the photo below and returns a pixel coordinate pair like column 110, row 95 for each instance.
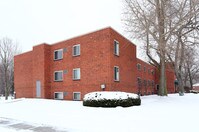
column 31, row 22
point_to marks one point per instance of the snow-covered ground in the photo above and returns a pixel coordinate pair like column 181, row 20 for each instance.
column 156, row 114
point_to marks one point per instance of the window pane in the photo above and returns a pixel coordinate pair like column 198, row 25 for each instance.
column 56, row 54
column 59, row 54
column 77, row 50
column 78, row 74
column 56, row 76
column 117, row 48
column 115, row 73
column 74, row 74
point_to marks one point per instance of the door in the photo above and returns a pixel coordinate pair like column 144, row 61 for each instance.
column 38, row 89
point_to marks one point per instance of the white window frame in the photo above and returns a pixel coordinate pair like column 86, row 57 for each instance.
column 61, row 50
column 60, row 79
column 77, row 45
column 79, row 96
column 59, row 93
column 116, row 48
column 116, row 75
column 78, row 69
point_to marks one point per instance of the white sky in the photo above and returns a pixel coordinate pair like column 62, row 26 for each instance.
column 31, row 22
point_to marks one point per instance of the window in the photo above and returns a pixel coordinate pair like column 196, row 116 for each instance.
column 76, row 96
column 152, row 83
column 58, row 75
column 145, row 83
column 139, row 82
column 144, row 69
column 149, row 83
column 139, row 66
column 149, row 71
column 58, row 54
column 76, row 74
column 76, row 50
column 116, row 73
column 58, row 95
column 116, row 47
column 152, row 72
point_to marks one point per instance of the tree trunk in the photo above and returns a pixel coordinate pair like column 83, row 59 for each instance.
column 6, row 86
column 162, row 86
column 190, row 78
column 162, row 44
column 180, row 85
column 179, row 76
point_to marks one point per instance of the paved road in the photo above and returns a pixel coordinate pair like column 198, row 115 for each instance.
column 24, row 126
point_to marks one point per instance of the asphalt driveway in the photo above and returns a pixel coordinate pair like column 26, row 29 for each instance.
column 24, row 126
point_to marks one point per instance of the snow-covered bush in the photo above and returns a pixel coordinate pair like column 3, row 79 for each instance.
column 194, row 91
column 111, row 99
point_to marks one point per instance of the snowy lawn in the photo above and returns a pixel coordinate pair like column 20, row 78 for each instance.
column 156, row 114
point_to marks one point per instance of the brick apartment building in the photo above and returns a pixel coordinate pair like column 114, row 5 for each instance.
column 101, row 60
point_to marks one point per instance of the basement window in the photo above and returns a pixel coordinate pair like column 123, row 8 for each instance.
column 76, row 96
column 58, row 54
column 59, row 95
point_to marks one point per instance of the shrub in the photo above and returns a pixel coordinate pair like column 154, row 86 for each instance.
column 194, row 91
column 111, row 99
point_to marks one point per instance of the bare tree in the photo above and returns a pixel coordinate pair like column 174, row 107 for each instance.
column 1, row 81
column 191, row 66
column 185, row 36
column 7, row 51
column 159, row 24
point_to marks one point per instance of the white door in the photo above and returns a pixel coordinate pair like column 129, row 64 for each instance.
column 38, row 89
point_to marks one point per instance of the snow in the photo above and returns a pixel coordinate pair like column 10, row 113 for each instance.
column 197, row 84
column 166, row 114
column 109, row 95
column 9, row 97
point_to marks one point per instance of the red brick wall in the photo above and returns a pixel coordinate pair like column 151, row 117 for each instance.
column 47, row 70
column 170, row 78
column 93, row 62
column 146, row 75
column 96, row 62
column 23, row 75
column 195, row 87
column 41, row 68
column 126, row 62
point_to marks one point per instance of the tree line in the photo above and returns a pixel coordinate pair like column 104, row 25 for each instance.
column 8, row 49
column 169, row 30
